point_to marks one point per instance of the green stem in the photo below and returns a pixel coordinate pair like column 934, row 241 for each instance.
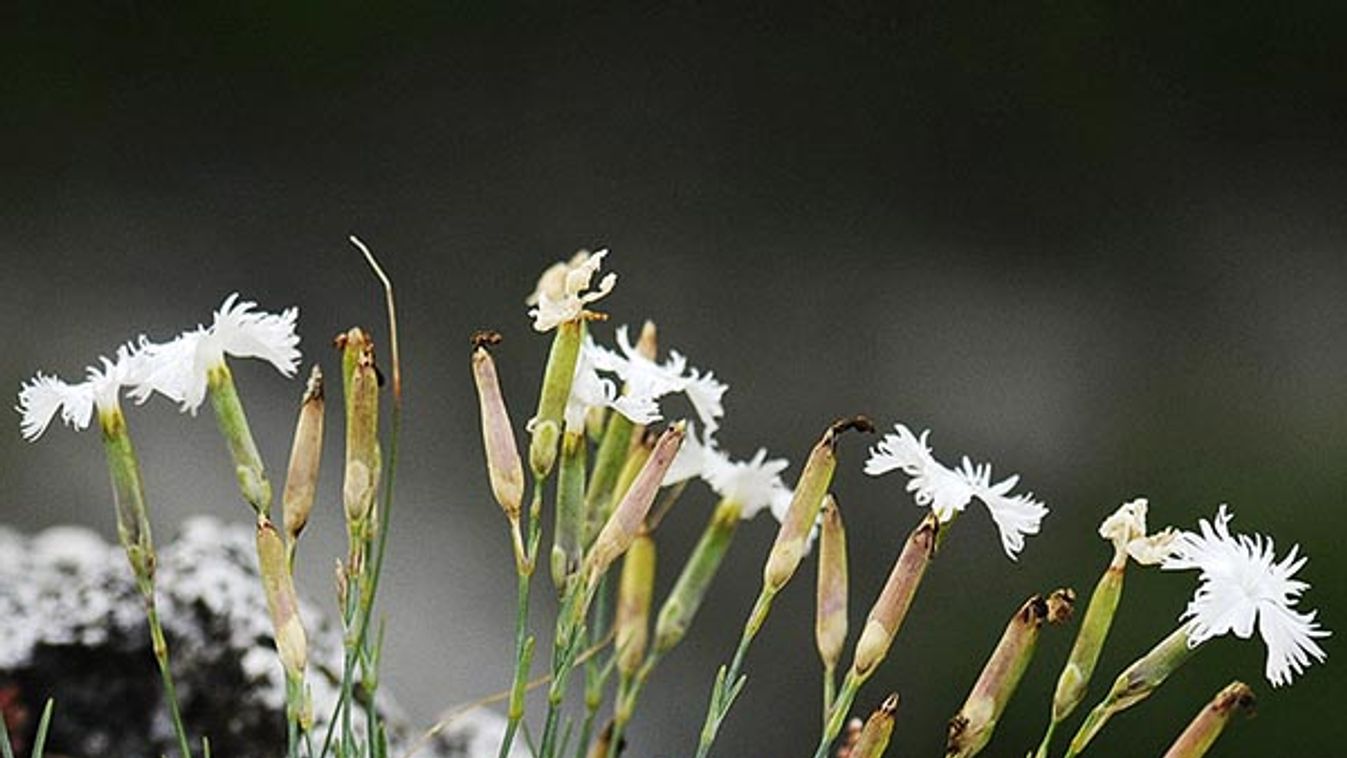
column 729, row 681
column 523, row 647
column 1047, row 741
column 292, row 704
column 838, row 715
column 628, row 691
column 829, row 689
column 166, row 674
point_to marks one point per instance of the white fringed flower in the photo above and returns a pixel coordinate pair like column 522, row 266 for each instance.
column 179, row 369
column 754, row 483
column 948, row 491
column 1242, row 582
column 645, row 378
column 590, row 390
column 1126, row 529
column 560, row 295
column 41, row 398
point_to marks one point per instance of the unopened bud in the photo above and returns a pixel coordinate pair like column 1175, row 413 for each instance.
column 282, row 601
column 634, row 590
column 301, row 479
column 567, row 537
column 1074, row 680
column 830, row 623
column 1198, row 738
column 971, row 728
column 888, row 612
column 503, row 464
column 361, row 480
column 792, row 539
column 128, row 494
column 555, row 391
column 543, row 448
column 874, row 738
column 233, row 424
column 687, row 594
column 629, row 515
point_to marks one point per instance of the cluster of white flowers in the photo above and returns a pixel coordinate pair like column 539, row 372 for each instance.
column 644, row 383
column 628, row 382
column 177, row 369
column 1242, row 582
column 948, row 491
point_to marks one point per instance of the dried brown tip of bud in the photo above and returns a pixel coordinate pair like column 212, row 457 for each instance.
column 890, row 704
column 1237, row 696
column 860, row 423
column 485, row 338
column 1054, row 609
column 1060, row 605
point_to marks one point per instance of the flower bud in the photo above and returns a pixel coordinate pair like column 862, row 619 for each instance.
column 233, row 423
column 874, row 737
column 830, row 623
column 301, row 479
column 361, row 480
column 282, row 602
column 971, row 728
column 128, row 494
column 608, row 461
column 688, row 592
column 629, row 515
column 552, row 397
column 568, row 534
column 634, row 590
column 888, row 612
column 502, row 453
column 792, row 539
column 1198, row 738
column 1094, row 627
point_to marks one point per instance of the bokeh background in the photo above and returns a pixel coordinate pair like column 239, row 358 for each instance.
column 1104, row 247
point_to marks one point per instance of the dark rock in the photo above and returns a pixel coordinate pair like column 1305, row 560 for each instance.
column 72, row 627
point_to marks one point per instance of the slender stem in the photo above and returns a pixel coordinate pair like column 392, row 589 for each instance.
column 728, row 681
column 292, row 704
column 628, row 690
column 1098, row 716
column 594, row 678
column 838, row 715
column 523, row 647
column 1047, row 741
column 166, row 674
column 348, row 667
column 829, row 689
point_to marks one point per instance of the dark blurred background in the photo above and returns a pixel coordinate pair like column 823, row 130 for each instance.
column 1104, row 247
